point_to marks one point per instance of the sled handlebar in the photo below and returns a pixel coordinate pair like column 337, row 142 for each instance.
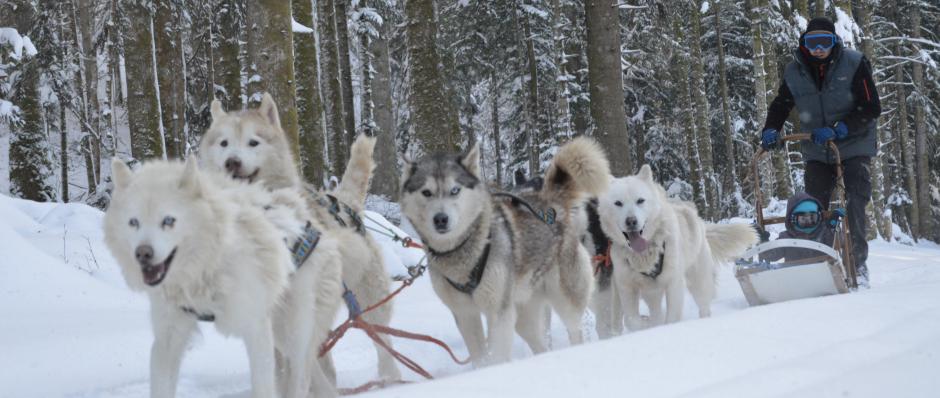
column 755, row 175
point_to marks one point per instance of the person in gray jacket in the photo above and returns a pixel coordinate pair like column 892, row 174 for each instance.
column 835, row 97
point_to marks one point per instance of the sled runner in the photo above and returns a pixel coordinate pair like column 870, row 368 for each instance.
column 831, row 271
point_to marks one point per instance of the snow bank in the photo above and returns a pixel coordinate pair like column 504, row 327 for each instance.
column 71, row 328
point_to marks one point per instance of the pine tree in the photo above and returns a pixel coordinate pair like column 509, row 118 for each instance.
column 29, row 167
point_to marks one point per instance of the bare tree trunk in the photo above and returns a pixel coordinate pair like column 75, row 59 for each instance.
column 169, row 75
column 345, row 69
column 226, row 32
column 87, row 153
column 63, row 153
column 780, row 161
column 606, row 81
column 686, row 112
column 561, row 90
column 802, row 7
column 309, row 105
column 574, row 66
column 271, row 51
column 366, row 112
column 910, row 181
column 820, row 7
column 85, row 24
column 532, row 104
column 700, row 101
column 433, row 118
column 730, row 177
column 881, row 220
column 497, row 138
column 144, row 117
column 386, row 171
column 332, row 92
column 920, row 129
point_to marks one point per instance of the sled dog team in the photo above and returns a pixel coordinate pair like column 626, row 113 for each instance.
column 237, row 238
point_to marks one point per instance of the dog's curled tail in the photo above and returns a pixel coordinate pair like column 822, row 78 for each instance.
column 579, row 170
column 729, row 241
column 354, row 186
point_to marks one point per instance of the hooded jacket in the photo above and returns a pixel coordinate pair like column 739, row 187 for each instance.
column 823, row 234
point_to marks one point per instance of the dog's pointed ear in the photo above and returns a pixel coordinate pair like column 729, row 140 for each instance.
column 216, row 110
column 191, row 182
column 407, row 166
column 471, row 160
column 121, row 174
column 268, row 109
column 646, row 172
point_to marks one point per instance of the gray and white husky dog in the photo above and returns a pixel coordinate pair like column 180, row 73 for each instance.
column 506, row 259
column 250, row 145
column 660, row 247
column 205, row 247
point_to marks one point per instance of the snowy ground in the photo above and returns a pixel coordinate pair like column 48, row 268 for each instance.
column 70, row 328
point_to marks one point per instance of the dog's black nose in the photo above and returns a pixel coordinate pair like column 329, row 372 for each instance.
column 233, row 165
column 440, row 221
column 144, row 254
column 631, row 223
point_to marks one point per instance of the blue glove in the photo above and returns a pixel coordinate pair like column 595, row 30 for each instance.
column 836, row 216
column 821, row 135
column 841, row 130
column 768, row 139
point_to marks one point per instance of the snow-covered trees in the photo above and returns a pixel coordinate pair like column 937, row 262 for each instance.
column 681, row 85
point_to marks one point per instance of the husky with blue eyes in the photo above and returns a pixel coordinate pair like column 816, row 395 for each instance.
column 208, row 248
column 660, row 246
column 506, row 257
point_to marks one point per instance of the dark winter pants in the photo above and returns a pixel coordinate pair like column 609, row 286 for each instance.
column 820, row 180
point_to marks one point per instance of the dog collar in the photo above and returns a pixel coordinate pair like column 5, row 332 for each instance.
column 469, row 234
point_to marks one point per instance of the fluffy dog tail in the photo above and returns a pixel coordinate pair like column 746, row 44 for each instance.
column 354, row 186
column 729, row 241
column 579, row 170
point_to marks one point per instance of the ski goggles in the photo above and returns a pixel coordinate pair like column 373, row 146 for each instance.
column 823, row 41
column 807, row 220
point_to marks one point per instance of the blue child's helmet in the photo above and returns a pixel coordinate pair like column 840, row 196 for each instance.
column 806, row 216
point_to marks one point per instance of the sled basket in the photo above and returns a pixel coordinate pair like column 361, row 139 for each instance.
column 765, row 282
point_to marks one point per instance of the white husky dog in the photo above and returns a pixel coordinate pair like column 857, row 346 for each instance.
column 496, row 257
column 204, row 247
column 250, row 145
column 661, row 245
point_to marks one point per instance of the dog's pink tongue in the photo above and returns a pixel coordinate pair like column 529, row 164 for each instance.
column 637, row 243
